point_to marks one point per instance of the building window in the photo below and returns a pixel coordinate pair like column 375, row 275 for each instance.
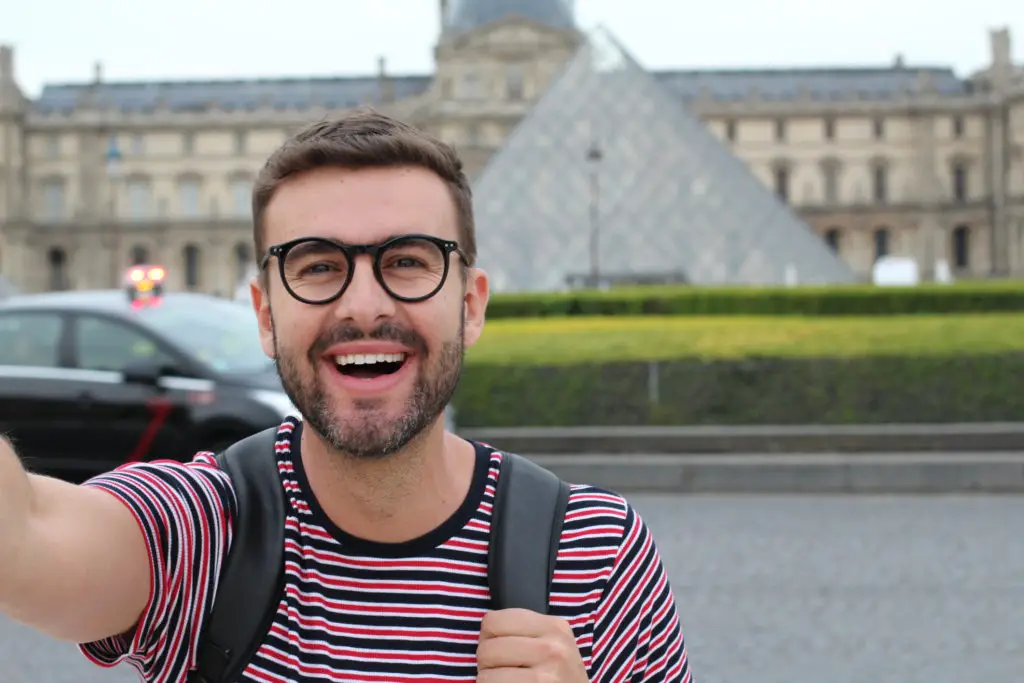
column 188, row 144
column 730, row 131
column 471, row 88
column 832, row 239
column 829, row 131
column 961, row 246
column 830, row 181
column 53, row 147
column 958, row 127
column 138, row 145
column 140, row 199
column 781, row 173
column 881, row 243
column 960, row 182
column 57, row 259
column 241, row 142
column 188, row 197
column 515, row 82
column 241, row 197
column 54, row 208
column 880, row 183
column 243, row 262
column 780, row 131
column 879, row 129
column 140, row 255
column 191, row 256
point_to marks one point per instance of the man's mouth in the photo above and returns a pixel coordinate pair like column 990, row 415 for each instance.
column 369, row 365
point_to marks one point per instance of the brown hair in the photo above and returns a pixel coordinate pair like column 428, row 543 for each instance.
column 364, row 138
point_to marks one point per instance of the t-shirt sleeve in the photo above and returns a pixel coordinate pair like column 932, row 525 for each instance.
column 185, row 513
column 638, row 636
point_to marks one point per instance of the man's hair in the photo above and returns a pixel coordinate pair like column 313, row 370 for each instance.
column 364, row 138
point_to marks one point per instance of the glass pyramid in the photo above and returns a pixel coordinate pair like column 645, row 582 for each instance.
column 610, row 179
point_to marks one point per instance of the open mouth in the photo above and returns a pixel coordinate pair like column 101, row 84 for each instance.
column 369, row 365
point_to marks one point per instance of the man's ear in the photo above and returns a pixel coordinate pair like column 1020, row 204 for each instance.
column 261, row 306
column 475, row 305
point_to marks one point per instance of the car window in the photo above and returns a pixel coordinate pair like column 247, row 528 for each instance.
column 102, row 344
column 30, row 339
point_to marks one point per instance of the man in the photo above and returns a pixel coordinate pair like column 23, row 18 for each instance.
column 388, row 516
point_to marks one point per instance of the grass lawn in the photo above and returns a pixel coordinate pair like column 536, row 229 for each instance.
column 549, row 341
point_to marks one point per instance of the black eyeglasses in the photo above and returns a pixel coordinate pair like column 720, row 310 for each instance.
column 410, row 268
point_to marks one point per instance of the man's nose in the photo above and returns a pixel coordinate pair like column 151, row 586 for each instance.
column 364, row 301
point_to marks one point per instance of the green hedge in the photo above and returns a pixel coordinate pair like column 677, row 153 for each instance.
column 749, row 391
column 987, row 297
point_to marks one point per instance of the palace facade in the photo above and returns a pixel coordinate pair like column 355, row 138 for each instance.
column 899, row 159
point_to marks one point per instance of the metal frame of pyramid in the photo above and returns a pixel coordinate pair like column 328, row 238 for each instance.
column 609, row 177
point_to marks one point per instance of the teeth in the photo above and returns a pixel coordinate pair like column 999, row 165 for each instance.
column 369, row 358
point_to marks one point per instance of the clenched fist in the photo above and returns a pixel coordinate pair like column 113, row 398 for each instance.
column 520, row 645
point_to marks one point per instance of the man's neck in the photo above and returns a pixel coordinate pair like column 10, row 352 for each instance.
column 394, row 499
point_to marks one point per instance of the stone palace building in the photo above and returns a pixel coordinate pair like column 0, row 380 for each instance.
column 870, row 161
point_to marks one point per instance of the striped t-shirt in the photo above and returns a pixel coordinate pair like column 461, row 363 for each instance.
column 356, row 610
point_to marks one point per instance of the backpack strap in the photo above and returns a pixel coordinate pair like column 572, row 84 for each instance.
column 252, row 576
column 526, row 528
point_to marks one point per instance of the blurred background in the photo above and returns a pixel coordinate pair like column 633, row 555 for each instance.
column 759, row 266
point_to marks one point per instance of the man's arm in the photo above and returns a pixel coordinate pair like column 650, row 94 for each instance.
column 638, row 636
column 75, row 564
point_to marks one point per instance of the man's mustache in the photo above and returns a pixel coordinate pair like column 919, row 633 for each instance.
column 387, row 331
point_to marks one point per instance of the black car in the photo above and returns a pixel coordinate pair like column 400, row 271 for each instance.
column 91, row 380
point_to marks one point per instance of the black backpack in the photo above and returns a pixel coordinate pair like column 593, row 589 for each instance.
column 526, row 526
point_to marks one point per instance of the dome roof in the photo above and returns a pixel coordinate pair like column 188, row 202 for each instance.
column 466, row 15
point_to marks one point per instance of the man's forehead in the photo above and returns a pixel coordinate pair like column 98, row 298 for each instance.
column 365, row 205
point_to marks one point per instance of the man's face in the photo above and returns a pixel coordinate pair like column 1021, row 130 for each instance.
column 324, row 353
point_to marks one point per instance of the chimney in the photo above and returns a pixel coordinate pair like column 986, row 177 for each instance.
column 443, row 10
column 6, row 63
column 97, row 73
column 1000, row 43
column 387, row 90
column 898, row 62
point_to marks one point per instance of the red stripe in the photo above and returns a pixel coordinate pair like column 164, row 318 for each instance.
column 160, row 409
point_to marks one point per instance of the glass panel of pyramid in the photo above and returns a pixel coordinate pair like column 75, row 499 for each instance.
column 665, row 202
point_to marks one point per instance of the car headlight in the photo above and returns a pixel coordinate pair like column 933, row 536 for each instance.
column 277, row 401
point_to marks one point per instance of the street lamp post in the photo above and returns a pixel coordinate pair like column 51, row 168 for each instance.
column 594, row 156
column 113, row 160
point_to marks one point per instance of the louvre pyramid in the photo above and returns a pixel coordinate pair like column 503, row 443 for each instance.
column 673, row 202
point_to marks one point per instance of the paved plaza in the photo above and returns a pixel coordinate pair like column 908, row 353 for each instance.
column 796, row 590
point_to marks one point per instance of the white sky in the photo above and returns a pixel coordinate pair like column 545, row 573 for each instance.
column 59, row 40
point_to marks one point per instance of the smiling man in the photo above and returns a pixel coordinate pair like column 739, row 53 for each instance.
column 366, row 298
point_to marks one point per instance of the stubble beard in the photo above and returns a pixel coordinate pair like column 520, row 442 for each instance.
column 367, row 431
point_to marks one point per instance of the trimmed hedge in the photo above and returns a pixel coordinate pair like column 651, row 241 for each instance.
column 984, row 297
column 982, row 388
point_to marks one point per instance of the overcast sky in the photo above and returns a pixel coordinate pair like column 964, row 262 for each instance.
column 59, row 40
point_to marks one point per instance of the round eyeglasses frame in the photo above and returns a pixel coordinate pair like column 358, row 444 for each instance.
column 375, row 251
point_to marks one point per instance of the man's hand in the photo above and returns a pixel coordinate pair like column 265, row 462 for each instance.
column 520, row 645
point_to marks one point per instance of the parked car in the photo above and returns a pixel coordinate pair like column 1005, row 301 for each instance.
column 91, row 380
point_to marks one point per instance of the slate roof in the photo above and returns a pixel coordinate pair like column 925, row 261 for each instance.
column 673, row 202
column 283, row 93
column 819, row 84
column 344, row 92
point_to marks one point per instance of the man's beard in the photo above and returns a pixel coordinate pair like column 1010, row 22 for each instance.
column 365, row 432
